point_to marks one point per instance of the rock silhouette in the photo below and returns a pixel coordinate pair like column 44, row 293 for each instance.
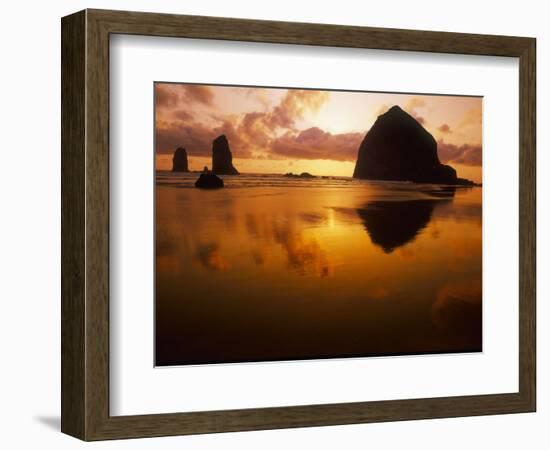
column 208, row 180
column 179, row 160
column 222, row 160
column 392, row 224
column 302, row 175
column 398, row 148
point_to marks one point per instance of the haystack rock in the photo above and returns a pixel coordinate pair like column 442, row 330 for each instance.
column 222, row 160
column 179, row 160
column 398, row 148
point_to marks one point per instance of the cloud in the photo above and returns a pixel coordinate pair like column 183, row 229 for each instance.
column 240, row 145
column 186, row 116
column 415, row 102
column 182, row 115
column 315, row 143
column 197, row 93
column 173, row 95
column 165, row 97
column 260, row 95
column 253, row 126
column 412, row 105
column 249, row 135
column 467, row 154
column 472, row 117
column 196, row 138
column 293, row 107
column 382, row 109
column 444, row 128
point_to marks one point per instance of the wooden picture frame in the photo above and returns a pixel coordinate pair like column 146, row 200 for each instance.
column 85, row 224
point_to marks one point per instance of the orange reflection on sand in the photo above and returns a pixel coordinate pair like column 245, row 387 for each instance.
column 209, row 256
column 285, row 270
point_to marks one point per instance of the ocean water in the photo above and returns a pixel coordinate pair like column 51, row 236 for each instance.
column 275, row 268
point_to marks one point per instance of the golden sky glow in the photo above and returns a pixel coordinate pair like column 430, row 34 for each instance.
column 292, row 130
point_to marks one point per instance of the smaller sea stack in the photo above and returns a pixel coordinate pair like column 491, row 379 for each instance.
column 222, row 159
column 208, row 180
column 179, row 160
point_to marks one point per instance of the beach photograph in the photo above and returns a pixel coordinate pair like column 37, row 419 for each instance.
column 303, row 224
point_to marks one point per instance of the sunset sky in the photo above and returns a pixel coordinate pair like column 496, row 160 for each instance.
column 292, row 130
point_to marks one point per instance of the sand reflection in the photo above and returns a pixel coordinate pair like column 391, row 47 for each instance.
column 304, row 255
column 392, row 224
column 274, row 273
column 209, row 256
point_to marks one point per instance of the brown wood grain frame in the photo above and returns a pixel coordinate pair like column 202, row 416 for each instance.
column 85, row 224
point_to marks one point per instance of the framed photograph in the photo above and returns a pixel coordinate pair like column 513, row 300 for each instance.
column 270, row 225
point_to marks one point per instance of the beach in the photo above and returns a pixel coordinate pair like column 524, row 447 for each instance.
column 276, row 268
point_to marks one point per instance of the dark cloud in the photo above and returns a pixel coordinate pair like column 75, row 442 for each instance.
column 444, row 128
column 240, row 145
column 254, row 127
column 467, row 154
column 182, row 115
column 315, row 143
column 251, row 134
column 197, row 93
column 197, row 138
column 173, row 95
column 272, row 133
column 165, row 97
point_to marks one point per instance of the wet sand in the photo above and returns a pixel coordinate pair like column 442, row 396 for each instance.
column 272, row 268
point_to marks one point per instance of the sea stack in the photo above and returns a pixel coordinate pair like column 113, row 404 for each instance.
column 179, row 160
column 222, row 160
column 208, row 180
column 398, row 148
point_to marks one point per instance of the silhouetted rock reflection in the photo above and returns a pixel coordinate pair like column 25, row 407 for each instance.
column 393, row 223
